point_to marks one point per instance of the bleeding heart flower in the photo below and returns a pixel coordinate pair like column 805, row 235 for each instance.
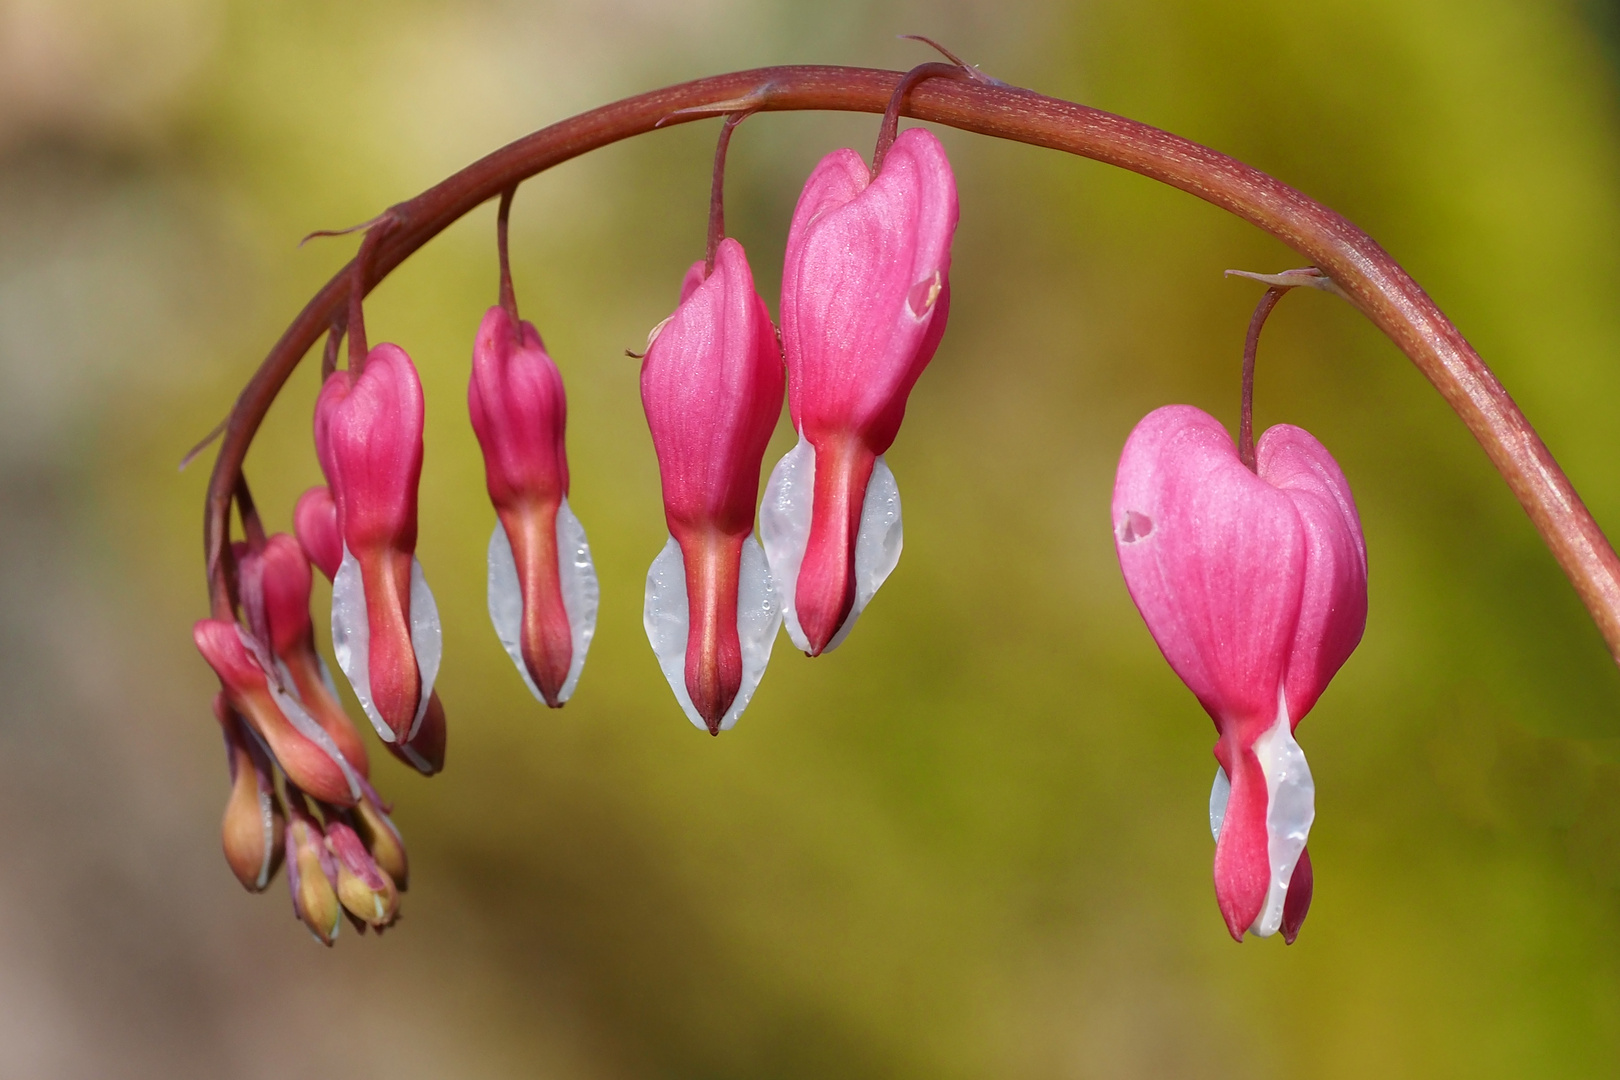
column 711, row 385
column 385, row 625
column 315, row 521
column 312, row 872
column 1254, row 585
column 543, row 592
column 365, row 889
column 865, row 295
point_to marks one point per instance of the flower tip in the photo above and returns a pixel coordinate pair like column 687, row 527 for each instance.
column 1300, row 887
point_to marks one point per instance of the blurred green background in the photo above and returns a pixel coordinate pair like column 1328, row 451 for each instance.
column 973, row 841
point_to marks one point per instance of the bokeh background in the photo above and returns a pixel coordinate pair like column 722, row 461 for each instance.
column 973, row 841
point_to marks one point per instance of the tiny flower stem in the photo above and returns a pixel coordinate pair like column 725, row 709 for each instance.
column 717, row 189
column 329, row 357
column 361, row 270
column 252, row 527
column 1251, row 345
column 1362, row 271
column 508, row 294
column 889, row 129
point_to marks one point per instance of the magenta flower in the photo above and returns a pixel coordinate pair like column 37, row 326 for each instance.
column 542, row 584
column 315, row 521
column 711, row 385
column 865, row 295
column 385, row 625
column 1254, row 585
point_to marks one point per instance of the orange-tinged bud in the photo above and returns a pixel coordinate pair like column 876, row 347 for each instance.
column 382, row 839
column 254, row 827
column 364, row 889
column 311, row 872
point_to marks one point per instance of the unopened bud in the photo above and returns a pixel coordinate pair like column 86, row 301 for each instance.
column 311, row 872
column 254, row 827
column 382, row 839
column 362, row 886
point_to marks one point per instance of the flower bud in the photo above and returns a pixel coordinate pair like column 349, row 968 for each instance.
column 275, row 585
column 312, row 872
column 368, row 435
column 865, row 295
column 301, row 746
column 542, row 584
column 315, row 525
column 711, row 385
column 382, row 839
column 1254, row 586
column 254, row 827
column 362, row 887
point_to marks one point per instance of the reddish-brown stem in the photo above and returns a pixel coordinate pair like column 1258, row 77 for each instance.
column 1362, row 270
column 329, row 356
column 1251, row 345
column 508, row 294
column 888, row 130
column 360, row 270
column 717, row 189
column 252, row 527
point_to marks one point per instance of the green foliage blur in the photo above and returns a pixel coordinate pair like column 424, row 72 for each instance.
column 973, row 841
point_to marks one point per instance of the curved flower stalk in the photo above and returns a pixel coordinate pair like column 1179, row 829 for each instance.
column 385, row 624
column 1254, row 586
column 543, row 592
column 315, row 522
column 865, row 296
column 711, row 385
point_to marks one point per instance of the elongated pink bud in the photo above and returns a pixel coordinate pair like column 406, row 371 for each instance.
column 865, row 296
column 368, row 435
column 254, row 825
column 711, row 385
column 315, row 523
column 275, row 586
column 301, row 747
column 520, row 413
column 1254, row 586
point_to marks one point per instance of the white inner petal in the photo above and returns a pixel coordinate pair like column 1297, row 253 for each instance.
column 784, row 526
column 1218, row 794
column 1290, row 809
column 666, row 616
column 351, row 639
column 581, row 596
column 284, row 693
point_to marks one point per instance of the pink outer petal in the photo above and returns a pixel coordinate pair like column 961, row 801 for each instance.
column 1215, row 559
column 865, row 287
column 1333, row 599
column 519, row 412
column 711, row 385
column 315, row 525
column 374, row 443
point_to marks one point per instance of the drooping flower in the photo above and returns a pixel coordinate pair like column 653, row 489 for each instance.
column 543, row 592
column 711, row 385
column 254, row 825
column 368, row 436
column 274, row 583
column 1254, row 586
column 315, row 522
column 254, row 688
column 363, row 887
column 865, row 296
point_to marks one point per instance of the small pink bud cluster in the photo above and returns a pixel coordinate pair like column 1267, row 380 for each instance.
column 1254, row 586
column 277, row 707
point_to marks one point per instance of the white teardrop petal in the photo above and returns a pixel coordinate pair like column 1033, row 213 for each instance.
column 1290, row 810
column 784, row 527
column 506, row 602
column 581, row 594
column 666, row 616
column 1218, row 794
column 427, row 640
column 351, row 639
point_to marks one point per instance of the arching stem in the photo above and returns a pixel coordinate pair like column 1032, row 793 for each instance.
column 508, row 294
column 1361, row 270
column 890, row 127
